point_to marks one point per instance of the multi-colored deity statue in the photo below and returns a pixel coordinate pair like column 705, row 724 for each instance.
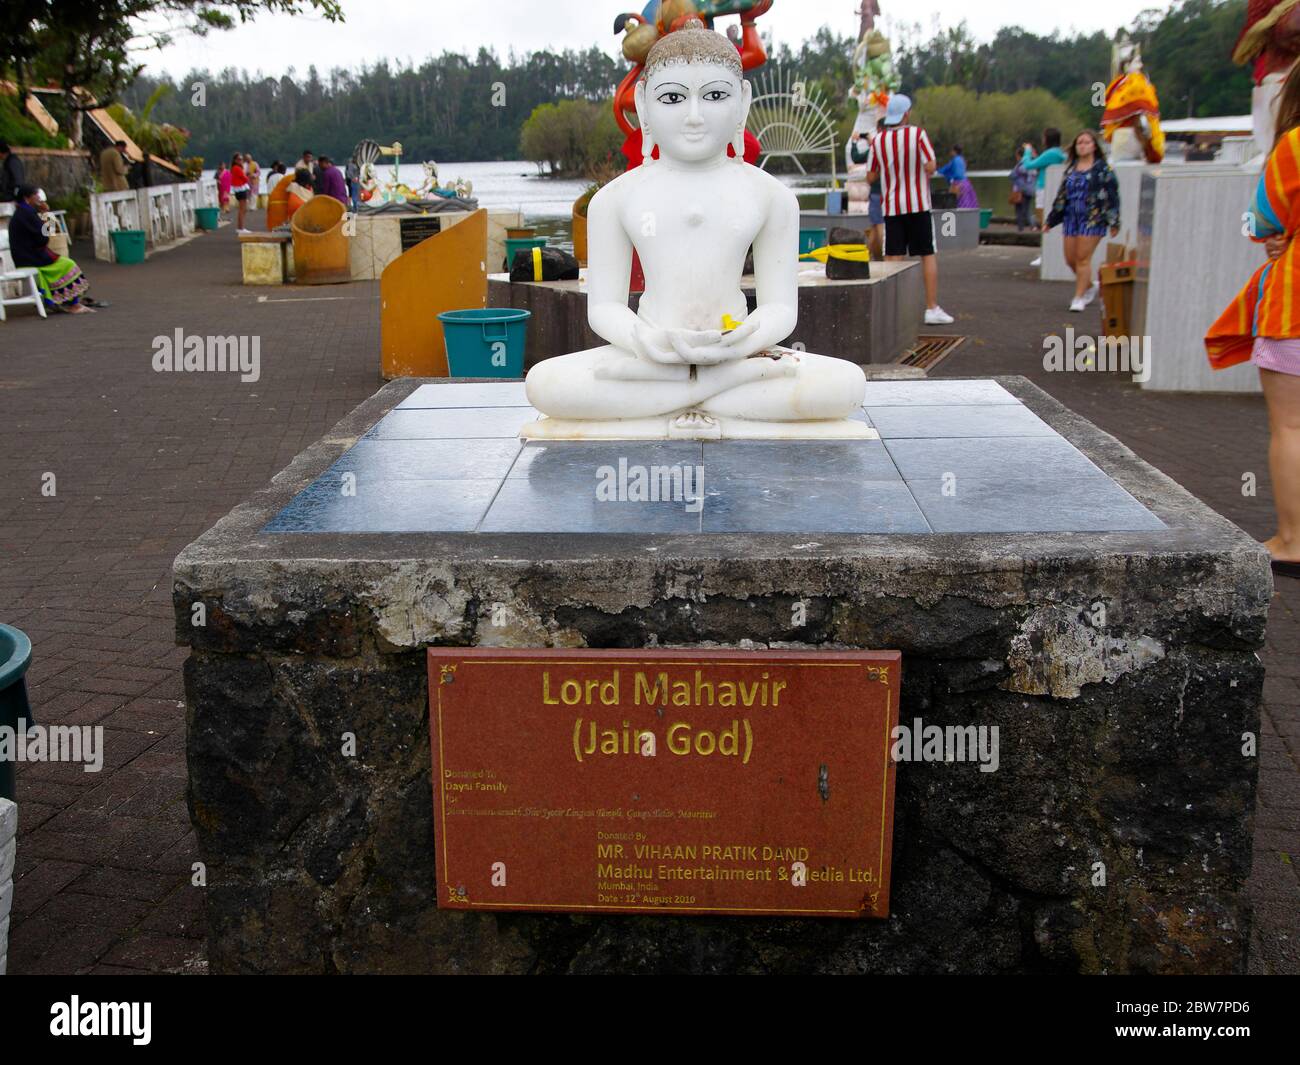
column 661, row 17
column 874, row 77
column 1131, row 121
column 1270, row 43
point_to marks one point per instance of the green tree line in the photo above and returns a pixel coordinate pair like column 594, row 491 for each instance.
column 450, row 107
column 470, row 108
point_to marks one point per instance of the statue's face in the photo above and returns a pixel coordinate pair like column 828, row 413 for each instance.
column 693, row 109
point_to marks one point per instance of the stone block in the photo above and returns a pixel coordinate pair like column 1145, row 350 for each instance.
column 263, row 262
column 1120, row 667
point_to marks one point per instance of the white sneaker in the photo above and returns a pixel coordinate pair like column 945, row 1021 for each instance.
column 1077, row 305
column 1037, row 262
column 938, row 316
column 1091, row 294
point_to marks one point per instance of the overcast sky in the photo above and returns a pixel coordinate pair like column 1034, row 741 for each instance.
column 414, row 29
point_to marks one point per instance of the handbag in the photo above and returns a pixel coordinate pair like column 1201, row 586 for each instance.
column 1016, row 198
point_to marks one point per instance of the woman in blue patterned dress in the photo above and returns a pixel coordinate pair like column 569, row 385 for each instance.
column 1088, row 205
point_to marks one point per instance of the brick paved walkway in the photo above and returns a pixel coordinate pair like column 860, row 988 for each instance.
column 145, row 462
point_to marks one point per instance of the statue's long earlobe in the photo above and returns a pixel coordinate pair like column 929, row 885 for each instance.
column 647, row 138
column 738, row 142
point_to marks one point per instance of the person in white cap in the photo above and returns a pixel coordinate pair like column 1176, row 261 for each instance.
column 903, row 159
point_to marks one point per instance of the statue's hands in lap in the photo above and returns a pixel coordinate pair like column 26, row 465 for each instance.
column 655, row 344
column 710, row 347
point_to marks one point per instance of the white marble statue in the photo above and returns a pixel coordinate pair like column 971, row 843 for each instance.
column 693, row 362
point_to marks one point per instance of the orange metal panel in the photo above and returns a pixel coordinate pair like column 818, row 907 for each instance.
column 447, row 272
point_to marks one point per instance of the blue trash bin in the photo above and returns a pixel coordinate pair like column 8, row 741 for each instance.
column 15, row 657
column 485, row 342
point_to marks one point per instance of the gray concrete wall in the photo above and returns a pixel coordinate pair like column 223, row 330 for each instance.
column 862, row 322
column 1198, row 260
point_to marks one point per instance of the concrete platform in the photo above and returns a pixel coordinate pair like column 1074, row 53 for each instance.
column 1118, row 660
column 871, row 321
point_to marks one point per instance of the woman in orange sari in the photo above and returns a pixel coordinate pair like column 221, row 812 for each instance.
column 1262, row 325
column 299, row 190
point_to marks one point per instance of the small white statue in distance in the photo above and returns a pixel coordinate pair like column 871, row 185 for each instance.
column 693, row 363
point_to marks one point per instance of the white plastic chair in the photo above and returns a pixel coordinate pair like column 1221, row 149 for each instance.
column 22, row 276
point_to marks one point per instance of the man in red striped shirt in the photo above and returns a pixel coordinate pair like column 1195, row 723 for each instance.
column 903, row 158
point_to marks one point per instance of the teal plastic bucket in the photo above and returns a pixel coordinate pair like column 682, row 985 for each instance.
column 128, row 245
column 486, row 342
column 15, row 657
column 811, row 240
column 986, row 217
column 515, row 245
column 206, row 217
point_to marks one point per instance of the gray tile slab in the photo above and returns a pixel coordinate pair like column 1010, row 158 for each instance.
column 526, row 506
column 935, row 393
column 1031, row 461
column 811, row 506
column 424, row 460
column 387, row 507
column 958, row 420
column 580, row 465
column 1001, row 506
column 466, row 394
column 453, row 423
column 835, row 460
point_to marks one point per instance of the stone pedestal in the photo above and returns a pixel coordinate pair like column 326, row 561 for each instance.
column 265, row 258
column 872, row 321
column 1104, row 619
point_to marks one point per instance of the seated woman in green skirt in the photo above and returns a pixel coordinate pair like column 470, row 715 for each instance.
column 61, row 281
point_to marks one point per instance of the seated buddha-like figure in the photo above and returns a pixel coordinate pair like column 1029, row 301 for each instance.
column 693, row 361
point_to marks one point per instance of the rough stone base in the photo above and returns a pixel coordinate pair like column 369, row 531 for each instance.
column 1114, row 837
column 8, row 851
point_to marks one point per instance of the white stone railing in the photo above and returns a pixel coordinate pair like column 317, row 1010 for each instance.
column 164, row 212
column 187, row 199
column 109, row 212
column 160, row 210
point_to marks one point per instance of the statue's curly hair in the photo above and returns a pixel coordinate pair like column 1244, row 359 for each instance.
column 693, row 43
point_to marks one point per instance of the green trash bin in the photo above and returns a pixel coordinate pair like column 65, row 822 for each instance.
column 811, row 240
column 206, row 217
column 15, row 657
column 485, row 342
column 128, row 245
column 986, row 217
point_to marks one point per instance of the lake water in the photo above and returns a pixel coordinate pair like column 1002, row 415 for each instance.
column 547, row 203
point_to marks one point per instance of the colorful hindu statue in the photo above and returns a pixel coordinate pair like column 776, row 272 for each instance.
column 1131, row 121
column 874, row 77
column 1270, row 42
column 662, row 17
